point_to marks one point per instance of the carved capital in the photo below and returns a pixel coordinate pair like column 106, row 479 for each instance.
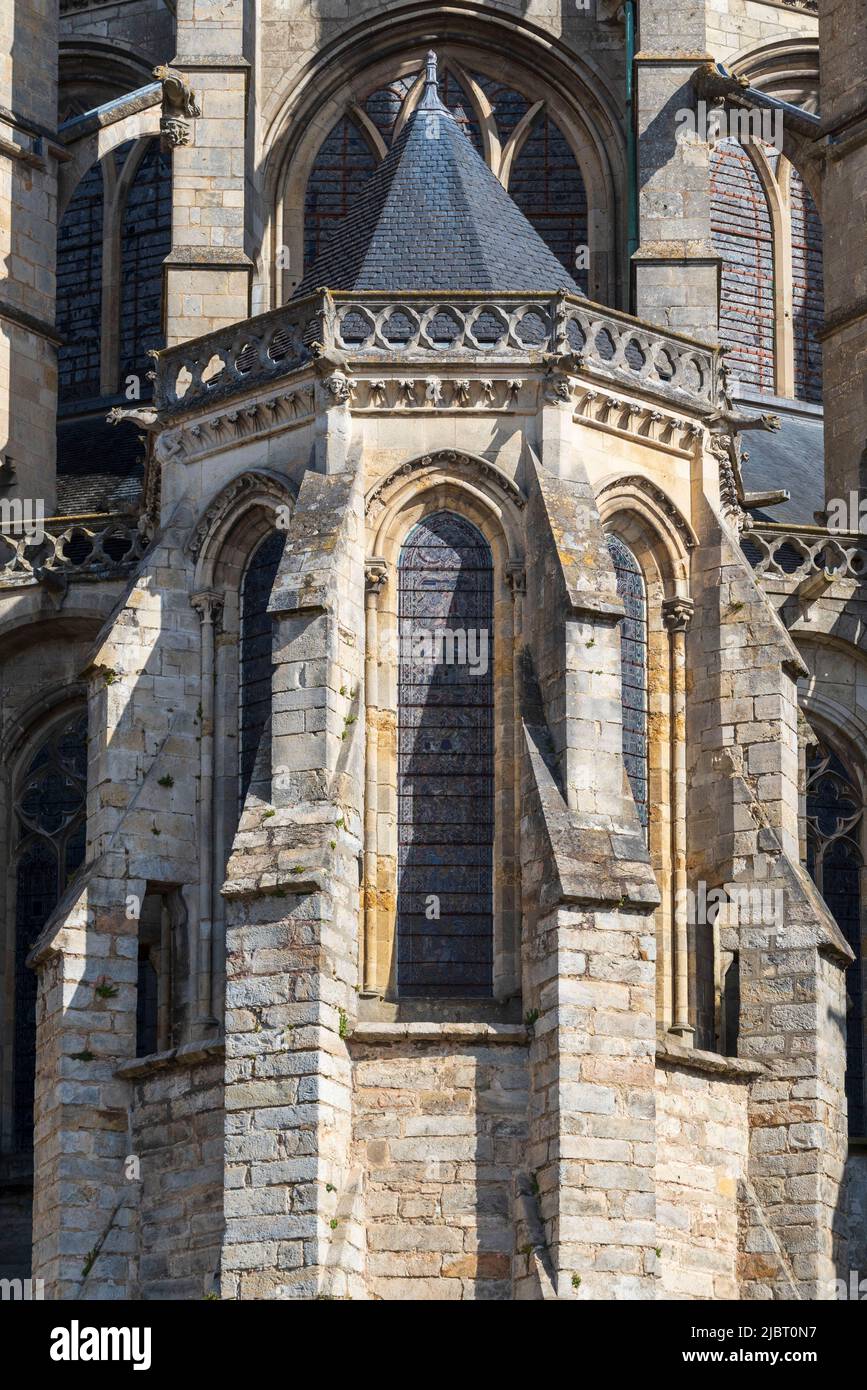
column 516, row 577
column 677, row 613
column 208, row 603
column 375, row 575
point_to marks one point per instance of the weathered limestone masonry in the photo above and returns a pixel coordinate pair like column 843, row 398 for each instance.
column 675, row 266
column 844, row 126
column 635, row 1083
column 790, row 964
column 292, row 940
column 702, row 1159
column 588, row 953
column 208, row 270
column 177, row 1133
column 440, row 1124
column 29, row 152
column 142, row 779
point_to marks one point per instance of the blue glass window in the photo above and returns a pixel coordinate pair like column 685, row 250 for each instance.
column 445, row 762
column 633, row 665
column 257, row 665
column 834, row 861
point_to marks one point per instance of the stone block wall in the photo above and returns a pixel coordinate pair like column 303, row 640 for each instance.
column 702, row 1131
column 177, row 1136
column 439, row 1132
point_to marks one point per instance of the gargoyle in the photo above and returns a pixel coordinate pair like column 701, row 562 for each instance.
column 137, row 415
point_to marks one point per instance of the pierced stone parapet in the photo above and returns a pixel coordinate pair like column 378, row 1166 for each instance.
column 792, row 554
column 419, row 328
column 66, row 549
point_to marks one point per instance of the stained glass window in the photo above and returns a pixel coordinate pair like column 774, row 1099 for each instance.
column 50, row 845
column 742, row 236
column 633, row 666
column 546, row 180
column 256, row 664
column 343, row 165
column 445, row 762
column 79, row 290
column 546, row 184
column 807, row 291
column 834, row 860
column 146, row 240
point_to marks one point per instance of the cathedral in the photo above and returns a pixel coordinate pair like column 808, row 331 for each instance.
column 433, row 649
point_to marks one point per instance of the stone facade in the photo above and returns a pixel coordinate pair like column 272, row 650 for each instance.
column 233, row 1095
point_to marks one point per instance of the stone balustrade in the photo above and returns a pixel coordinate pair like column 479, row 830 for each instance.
column 379, row 327
column 96, row 547
column 791, row 554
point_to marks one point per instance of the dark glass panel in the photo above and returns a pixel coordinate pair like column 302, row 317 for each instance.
column 445, row 762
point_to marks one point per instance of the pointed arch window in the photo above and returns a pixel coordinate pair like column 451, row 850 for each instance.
column 835, row 813
column 634, row 673
column 545, row 179
column 50, row 827
column 256, row 667
column 768, row 233
column 743, row 237
column 445, row 776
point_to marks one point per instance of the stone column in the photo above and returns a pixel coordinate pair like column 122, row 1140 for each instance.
column 843, row 44
column 376, row 575
column 677, row 615
column 28, row 229
column 675, row 266
column 209, row 607
column 208, row 271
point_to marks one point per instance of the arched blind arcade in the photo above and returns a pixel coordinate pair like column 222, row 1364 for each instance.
column 445, row 761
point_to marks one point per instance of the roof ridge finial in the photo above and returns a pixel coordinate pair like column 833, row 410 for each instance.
column 431, row 96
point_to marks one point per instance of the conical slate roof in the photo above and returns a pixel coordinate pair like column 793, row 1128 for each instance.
column 434, row 217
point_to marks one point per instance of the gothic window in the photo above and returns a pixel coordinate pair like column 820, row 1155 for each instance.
column 769, row 235
column 256, row 666
column 445, row 761
column 111, row 244
column 146, row 240
column 742, row 235
column 344, row 163
column 834, row 860
column 546, row 184
column 509, row 106
column 79, row 290
column 807, row 291
column 634, row 672
column 50, row 846
column 545, row 181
